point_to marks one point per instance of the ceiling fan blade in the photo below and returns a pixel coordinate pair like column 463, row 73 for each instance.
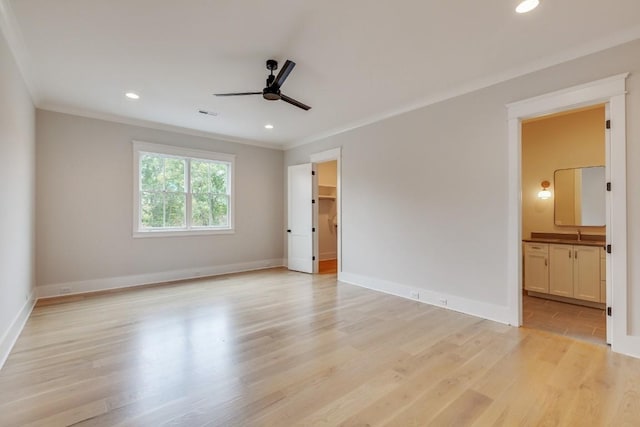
column 292, row 101
column 238, row 93
column 283, row 74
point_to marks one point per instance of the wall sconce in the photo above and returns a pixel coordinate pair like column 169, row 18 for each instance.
column 544, row 194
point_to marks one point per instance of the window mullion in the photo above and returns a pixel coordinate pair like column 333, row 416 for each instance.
column 188, row 195
column 164, row 192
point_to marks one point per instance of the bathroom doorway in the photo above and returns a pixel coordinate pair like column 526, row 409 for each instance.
column 563, row 223
column 610, row 91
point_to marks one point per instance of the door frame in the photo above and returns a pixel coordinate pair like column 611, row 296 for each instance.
column 327, row 156
column 612, row 92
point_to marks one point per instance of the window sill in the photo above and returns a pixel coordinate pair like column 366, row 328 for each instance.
column 180, row 233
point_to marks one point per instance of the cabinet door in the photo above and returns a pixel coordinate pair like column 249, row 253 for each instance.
column 536, row 268
column 561, row 270
column 586, row 273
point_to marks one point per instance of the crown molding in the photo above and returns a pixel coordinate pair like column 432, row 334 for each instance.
column 611, row 41
column 155, row 125
column 12, row 34
column 11, row 31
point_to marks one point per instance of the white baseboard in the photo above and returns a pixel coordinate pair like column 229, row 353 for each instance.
column 11, row 335
column 627, row 344
column 484, row 310
column 325, row 256
column 85, row 286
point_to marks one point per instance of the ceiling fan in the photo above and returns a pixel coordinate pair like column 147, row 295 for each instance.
column 274, row 83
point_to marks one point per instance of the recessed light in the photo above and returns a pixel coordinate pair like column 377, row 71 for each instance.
column 132, row 95
column 268, row 126
column 527, row 6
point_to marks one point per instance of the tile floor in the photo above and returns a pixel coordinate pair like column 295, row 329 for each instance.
column 576, row 321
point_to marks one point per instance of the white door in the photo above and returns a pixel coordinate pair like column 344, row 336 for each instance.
column 302, row 211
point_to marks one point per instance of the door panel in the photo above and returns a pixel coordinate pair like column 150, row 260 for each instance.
column 586, row 273
column 300, row 210
column 561, row 270
column 536, row 268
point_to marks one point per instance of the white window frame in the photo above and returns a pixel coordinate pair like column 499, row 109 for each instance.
column 140, row 148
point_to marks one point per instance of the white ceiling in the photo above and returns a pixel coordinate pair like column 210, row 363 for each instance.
column 357, row 61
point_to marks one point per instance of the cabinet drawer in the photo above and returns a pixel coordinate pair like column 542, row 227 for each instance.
column 536, row 248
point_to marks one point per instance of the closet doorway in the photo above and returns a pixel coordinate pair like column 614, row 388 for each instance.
column 327, row 232
column 304, row 228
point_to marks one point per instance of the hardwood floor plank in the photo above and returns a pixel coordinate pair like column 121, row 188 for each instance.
column 280, row 348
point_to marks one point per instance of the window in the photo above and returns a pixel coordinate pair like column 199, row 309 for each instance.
column 180, row 191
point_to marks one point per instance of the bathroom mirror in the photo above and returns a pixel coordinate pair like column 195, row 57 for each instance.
column 579, row 196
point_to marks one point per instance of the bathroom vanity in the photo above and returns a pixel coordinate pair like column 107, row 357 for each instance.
column 566, row 267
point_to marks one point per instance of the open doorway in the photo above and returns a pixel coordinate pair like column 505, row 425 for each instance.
column 564, row 223
column 610, row 91
column 327, row 234
column 306, row 201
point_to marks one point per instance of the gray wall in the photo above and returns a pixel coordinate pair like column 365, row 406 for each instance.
column 85, row 209
column 17, row 193
column 436, row 218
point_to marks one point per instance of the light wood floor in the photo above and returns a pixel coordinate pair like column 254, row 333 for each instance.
column 277, row 348
column 575, row 321
column 329, row 266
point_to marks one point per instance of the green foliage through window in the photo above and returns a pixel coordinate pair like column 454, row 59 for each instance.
column 183, row 193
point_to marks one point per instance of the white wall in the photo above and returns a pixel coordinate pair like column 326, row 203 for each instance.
column 440, row 209
column 85, row 214
column 17, row 200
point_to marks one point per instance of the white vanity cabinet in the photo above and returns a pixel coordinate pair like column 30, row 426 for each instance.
column 536, row 267
column 586, row 273
column 568, row 271
column 561, row 270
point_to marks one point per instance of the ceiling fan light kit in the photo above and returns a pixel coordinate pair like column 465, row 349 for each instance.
column 272, row 90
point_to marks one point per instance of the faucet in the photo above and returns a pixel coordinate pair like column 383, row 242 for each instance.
column 579, row 235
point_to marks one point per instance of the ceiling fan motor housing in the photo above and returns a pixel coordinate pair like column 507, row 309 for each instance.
column 272, row 64
column 269, row 94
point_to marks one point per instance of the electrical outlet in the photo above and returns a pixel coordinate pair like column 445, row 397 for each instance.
column 415, row 295
column 443, row 301
column 65, row 290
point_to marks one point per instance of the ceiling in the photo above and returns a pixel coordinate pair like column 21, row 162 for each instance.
column 357, row 61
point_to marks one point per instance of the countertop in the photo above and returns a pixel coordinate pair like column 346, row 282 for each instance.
column 567, row 239
column 566, row 242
